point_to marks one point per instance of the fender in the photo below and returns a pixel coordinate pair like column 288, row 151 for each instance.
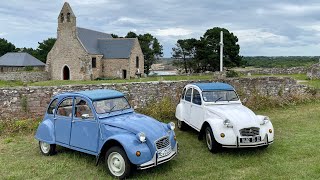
column 179, row 112
column 45, row 132
column 218, row 128
column 131, row 145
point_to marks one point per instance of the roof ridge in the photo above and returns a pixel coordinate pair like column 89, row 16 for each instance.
column 94, row 30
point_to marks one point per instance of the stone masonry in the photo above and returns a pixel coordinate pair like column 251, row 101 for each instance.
column 15, row 101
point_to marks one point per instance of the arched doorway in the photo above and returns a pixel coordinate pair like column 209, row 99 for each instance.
column 66, row 73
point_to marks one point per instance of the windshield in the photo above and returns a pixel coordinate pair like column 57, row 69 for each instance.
column 110, row 105
column 214, row 96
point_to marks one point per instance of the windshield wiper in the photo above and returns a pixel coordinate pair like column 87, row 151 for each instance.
column 218, row 99
column 112, row 108
column 232, row 98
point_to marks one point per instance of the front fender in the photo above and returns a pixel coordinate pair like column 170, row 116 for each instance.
column 131, row 145
column 179, row 111
column 218, row 127
column 45, row 132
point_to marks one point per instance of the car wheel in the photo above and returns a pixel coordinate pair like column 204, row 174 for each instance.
column 211, row 142
column 117, row 162
column 181, row 125
column 47, row 149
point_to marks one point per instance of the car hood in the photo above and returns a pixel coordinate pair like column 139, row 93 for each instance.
column 135, row 123
column 239, row 115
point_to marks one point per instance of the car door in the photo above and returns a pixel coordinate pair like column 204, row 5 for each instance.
column 85, row 128
column 63, row 118
column 196, row 110
column 187, row 105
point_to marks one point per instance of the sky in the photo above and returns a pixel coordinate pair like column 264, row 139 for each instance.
column 263, row 27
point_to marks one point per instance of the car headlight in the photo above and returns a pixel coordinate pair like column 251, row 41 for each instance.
column 228, row 123
column 171, row 125
column 141, row 137
column 265, row 120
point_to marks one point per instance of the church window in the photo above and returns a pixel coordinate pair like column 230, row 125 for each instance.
column 137, row 62
column 68, row 17
column 94, row 62
column 61, row 17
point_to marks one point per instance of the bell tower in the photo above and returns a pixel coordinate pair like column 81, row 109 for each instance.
column 67, row 25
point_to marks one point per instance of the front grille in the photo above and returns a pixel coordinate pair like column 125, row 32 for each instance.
column 163, row 143
column 252, row 131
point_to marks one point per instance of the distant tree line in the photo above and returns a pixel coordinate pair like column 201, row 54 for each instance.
column 151, row 48
column 280, row 61
column 40, row 53
column 199, row 55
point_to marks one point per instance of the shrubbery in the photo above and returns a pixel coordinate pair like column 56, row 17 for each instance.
column 160, row 109
column 18, row 126
column 231, row 73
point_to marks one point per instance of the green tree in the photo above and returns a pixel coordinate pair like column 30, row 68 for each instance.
column 152, row 50
column 6, row 46
column 184, row 51
column 114, row 36
column 209, row 49
column 44, row 48
column 131, row 35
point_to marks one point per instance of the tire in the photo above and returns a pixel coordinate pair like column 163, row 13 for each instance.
column 181, row 125
column 212, row 144
column 47, row 149
column 117, row 163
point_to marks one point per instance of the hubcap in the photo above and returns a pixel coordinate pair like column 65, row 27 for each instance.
column 116, row 164
column 45, row 147
column 208, row 139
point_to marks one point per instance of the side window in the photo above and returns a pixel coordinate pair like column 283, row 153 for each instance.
column 196, row 98
column 82, row 109
column 65, row 108
column 94, row 62
column 188, row 95
column 52, row 106
column 183, row 93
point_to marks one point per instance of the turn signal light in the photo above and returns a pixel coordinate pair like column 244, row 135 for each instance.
column 222, row 135
column 138, row 153
column 270, row 130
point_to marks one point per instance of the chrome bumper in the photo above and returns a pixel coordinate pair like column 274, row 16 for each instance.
column 156, row 161
column 263, row 142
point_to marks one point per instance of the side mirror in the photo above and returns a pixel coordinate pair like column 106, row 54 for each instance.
column 85, row 116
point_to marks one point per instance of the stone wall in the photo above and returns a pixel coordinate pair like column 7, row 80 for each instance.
column 15, row 101
column 25, row 76
column 292, row 70
column 314, row 71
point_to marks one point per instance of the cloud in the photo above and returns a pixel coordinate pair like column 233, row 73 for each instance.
column 173, row 32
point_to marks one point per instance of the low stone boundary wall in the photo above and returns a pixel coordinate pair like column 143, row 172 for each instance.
column 32, row 101
column 25, row 76
column 293, row 70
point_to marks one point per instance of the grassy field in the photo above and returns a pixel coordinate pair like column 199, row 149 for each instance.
column 151, row 78
column 294, row 155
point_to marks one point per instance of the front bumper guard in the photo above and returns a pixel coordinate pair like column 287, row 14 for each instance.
column 264, row 142
column 156, row 161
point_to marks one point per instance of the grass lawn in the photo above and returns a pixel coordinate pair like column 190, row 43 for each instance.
column 294, row 155
column 151, row 78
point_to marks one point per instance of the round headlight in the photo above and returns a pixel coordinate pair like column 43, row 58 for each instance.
column 227, row 123
column 171, row 126
column 142, row 137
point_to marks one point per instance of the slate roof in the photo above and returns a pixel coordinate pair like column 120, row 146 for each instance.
column 19, row 59
column 102, row 43
column 213, row 86
column 115, row 48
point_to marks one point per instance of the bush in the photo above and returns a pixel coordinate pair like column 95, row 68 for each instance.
column 28, row 68
column 232, row 73
column 163, row 109
column 10, row 127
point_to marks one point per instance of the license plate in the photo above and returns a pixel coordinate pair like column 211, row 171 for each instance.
column 164, row 152
column 250, row 139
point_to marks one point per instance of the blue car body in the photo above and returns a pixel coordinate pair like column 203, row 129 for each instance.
column 121, row 127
